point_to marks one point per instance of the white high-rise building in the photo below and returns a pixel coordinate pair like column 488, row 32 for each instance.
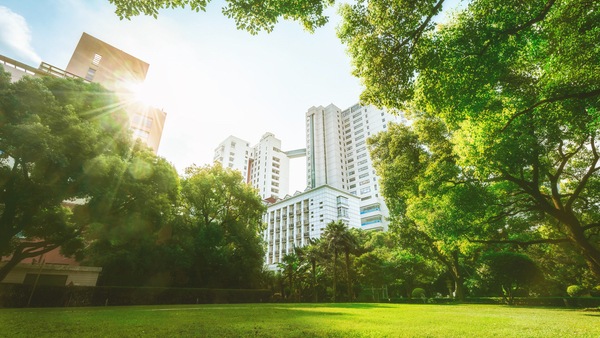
column 264, row 166
column 336, row 154
column 325, row 148
column 269, row 168
column 234, row 153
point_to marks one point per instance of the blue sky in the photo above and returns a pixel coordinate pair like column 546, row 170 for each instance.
column 211, row 79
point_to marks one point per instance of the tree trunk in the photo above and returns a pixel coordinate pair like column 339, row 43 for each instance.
column 459, row 289
column 314, row 286
column 590, row 253
column 350, row 295
column 4, row 270
column 334, row 273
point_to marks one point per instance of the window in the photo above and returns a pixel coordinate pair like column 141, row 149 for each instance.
column 365, row 190
column 96, row 60
column 342, row 200
column 361, row 155
column 90, row 74
column 142, row 122
column 362, row 162
column 141, row 134
column 363, row 182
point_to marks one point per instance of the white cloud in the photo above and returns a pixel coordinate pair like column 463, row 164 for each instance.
column 15, row 35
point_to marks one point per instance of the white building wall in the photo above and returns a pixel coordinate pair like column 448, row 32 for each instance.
column 360, row 123
column 324, row 147
column 270, row 168
column 233, row 153
column 293, row 221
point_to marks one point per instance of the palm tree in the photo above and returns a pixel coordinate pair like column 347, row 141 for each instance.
column 337, row 237
column 289, row 266
column 312, row 253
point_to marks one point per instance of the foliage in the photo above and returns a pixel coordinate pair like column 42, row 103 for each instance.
column 433, row 206
column 57, row 136
column 250, row 15
column 129, row 220
column 595, row 291
column 418, row 293
column 517, row 85
column 576, row 290
column 219, row 226
column 509, row 272
column 338, row 238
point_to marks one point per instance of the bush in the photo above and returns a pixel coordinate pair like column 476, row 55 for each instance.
column 595, row 291
column 575, row 290
column 418, row 293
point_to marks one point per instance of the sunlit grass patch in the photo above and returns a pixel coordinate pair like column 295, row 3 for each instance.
column 302, row 320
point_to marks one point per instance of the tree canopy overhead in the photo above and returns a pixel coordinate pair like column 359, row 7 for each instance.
column 518, row 85
column 250, row 15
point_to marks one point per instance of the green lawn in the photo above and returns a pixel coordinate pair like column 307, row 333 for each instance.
column 301, row 320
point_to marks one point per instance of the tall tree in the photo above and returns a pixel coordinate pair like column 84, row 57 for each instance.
column 434, row 207
column 130, row 217
column 312, row 253
column 338, row 239
column 518, row 83
column 51, row 132
column 222, row 220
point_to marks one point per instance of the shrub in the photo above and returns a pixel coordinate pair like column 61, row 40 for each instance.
column 575, row 290
column 595, row 291
column 418, row 293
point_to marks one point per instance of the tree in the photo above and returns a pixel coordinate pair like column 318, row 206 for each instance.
column 221, row 223
column 433, row 205
column 312, row 253
column 509, row 271
column 337, row 238
column 130, row 218
column 250, row 15
column 518, row 85
column 52, row 131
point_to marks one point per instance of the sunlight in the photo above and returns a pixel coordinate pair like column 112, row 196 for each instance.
column 140, row 93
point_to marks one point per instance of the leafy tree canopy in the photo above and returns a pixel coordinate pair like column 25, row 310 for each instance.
column 517, row 84
column 250, row 15
column 52, row 131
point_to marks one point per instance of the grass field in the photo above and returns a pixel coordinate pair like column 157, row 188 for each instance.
column 300, row 320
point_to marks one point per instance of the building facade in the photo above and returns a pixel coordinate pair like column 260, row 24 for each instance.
column 96, row 61
column 234, row 153
column 294, row 220
column 337, row 154
column 264, row 166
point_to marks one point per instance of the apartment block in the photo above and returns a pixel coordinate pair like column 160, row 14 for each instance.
column 264, row 166
column 337, row 154
column 293, row 221
column 97, row 61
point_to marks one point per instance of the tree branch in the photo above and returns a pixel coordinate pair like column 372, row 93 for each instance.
column 550, row 100
column 590, row 226
column 584, row 179
column 514, row 30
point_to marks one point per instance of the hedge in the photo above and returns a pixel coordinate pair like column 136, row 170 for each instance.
column 17, row 295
